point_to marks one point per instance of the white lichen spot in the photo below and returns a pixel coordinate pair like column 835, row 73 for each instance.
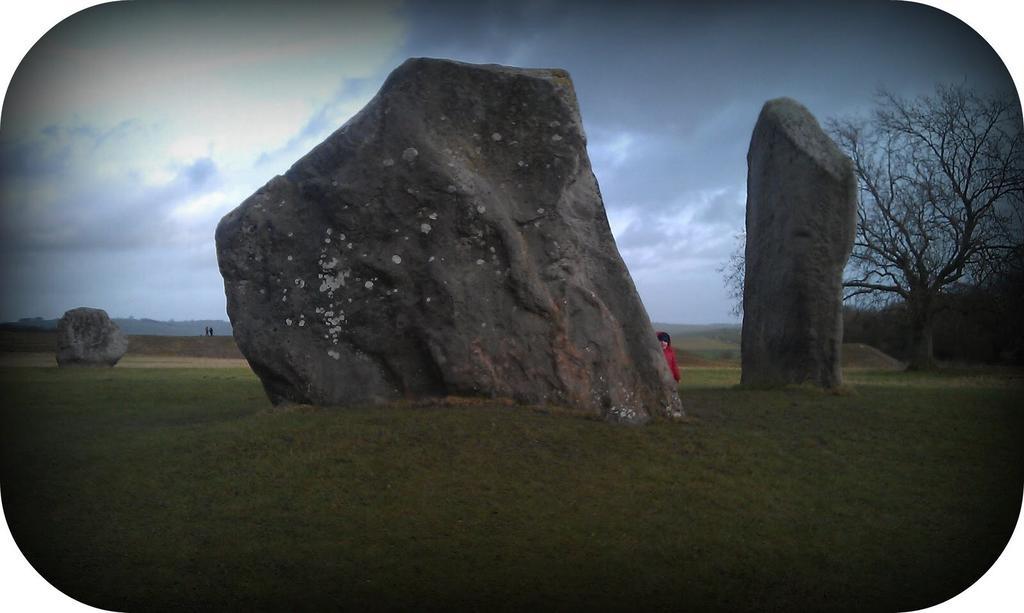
column 327, row 240
column 521, row 163
column 291, row 234
column 556, row 138
column 430, row 259
column 433, row 216
column 479, row 262
column 302, row 322
column 388, row 162
column 331, row 264
column 554, row 124
column 410, row 154
column 451, row 189
column 428, row 298
column 368, row 285
column 349, row 245
column 540, row 211
column 481, row 208
column 334, row 354
column 397, row 259
column 289, row 258
column 331, row 283
column 425, row 228
column 495, row 137
column 341, row 236
column 288, row 321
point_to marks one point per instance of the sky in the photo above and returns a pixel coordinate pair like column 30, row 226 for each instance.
column 130, row 129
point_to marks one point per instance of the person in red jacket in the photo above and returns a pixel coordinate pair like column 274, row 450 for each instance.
column 670, row 354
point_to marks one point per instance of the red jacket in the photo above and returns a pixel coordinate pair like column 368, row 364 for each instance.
column 670, row 357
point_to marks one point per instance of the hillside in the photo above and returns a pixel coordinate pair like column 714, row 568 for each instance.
column 132, row 326
column 183, row 346
column 859, row 355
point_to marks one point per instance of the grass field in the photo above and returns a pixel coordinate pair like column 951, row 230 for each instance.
column 180, row 489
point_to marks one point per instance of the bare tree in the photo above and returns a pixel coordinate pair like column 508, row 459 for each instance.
column 941, row 185
column 732, row 272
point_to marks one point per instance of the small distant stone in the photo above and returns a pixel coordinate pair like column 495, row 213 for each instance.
column 410, row 154
column 495, row 137
column 397, row 259
column 388, row 162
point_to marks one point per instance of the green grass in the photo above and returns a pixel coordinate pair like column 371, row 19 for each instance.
column 179, row 489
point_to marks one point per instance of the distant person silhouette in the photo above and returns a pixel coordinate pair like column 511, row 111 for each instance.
column 670, row 354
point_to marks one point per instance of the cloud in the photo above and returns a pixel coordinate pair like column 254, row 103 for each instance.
column 351, row 96
column 695, row 232
column 58, row 200
column 131, row 128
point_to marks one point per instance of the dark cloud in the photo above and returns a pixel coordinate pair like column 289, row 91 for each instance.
column 688, row 79
column 87, row 212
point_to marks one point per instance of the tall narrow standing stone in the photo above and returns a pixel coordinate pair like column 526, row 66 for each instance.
column 801, row 220
column 450, row 239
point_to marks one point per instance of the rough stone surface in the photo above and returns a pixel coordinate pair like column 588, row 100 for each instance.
column 801, row 219
column 449, row 240
column 87, row 337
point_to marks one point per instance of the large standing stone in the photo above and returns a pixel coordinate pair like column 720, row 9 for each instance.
column 801, row 219
column 87, row 337
column 450, row 239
